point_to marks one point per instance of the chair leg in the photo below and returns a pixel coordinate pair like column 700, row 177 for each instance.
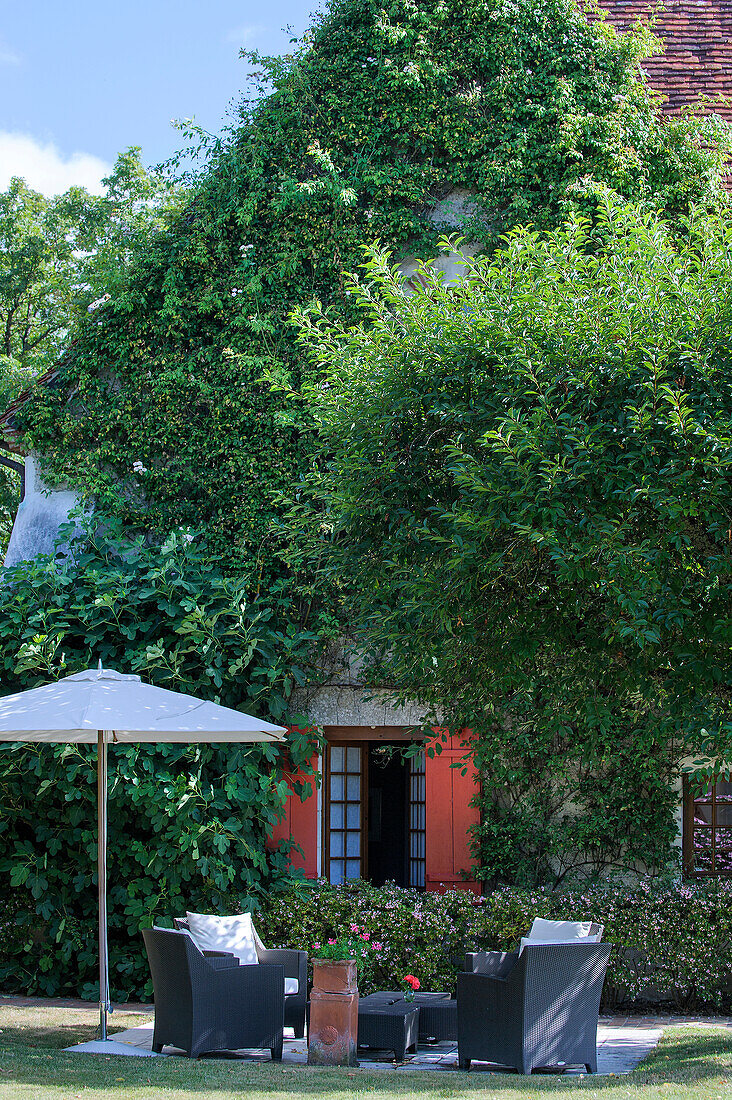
column 299, row 1030
column 464, row 1063
column 591, row 1067
column 276, row 1052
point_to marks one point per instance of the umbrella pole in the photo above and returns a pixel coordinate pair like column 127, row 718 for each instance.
column 102, row 737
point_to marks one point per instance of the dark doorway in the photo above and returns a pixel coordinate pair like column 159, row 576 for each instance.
column 388, row 827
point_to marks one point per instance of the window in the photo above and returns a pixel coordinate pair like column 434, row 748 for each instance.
column 707, row 841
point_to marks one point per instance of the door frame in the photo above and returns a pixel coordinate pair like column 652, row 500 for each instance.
column 360, row 737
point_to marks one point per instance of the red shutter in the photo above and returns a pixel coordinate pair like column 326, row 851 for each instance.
column 449, row 816
column 299, row 824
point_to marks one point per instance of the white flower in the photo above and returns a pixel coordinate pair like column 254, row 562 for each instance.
column 138, row 468
column 98, row 302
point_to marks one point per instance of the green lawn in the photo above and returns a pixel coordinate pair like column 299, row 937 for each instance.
column 695, row 1064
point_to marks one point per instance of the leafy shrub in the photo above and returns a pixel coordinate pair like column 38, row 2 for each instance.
column 188, row 824
column 672, row 940
column 524, row 496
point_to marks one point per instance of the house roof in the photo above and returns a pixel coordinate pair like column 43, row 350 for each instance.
column 10, row 438
column 697, row 60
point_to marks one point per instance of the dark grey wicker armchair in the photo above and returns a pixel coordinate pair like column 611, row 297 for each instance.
column 535, row 1009
column 476, row 961
column 295, row 964
column 206, row 1002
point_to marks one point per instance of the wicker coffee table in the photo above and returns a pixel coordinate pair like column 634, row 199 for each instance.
column 437, row 1012
column 388, row 1025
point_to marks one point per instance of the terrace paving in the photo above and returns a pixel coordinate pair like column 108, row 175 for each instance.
column 623, row 1041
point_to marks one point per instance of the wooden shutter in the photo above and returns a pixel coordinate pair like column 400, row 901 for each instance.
column 449, row 816
column 299, row 825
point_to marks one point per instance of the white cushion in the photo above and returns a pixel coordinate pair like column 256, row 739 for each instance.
column 558, row 931
column 292, row 985
column 234, row 934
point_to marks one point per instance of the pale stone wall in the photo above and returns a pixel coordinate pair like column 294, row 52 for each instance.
column 39, row 518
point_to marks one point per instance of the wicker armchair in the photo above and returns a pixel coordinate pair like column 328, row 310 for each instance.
column 485, row 962
column 295, row 964
column 535, row 1009
column 206, row 1002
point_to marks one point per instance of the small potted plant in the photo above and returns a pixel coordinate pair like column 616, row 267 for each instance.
column 338, row 963
column 333, row 1024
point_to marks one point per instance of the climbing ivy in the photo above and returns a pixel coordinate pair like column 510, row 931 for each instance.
column 525, row 491
column 164, row 410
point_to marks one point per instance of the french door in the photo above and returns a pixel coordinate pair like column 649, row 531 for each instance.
column 346, row 787
column 345, row 816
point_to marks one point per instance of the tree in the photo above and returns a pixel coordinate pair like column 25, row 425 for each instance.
column 57, row 255
column 59, row 259
column 526, row 492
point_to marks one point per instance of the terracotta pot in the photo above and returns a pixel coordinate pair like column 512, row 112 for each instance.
column 335, row 975
column 333, row 1022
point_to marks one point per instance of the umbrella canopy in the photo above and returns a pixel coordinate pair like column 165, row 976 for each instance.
column 102, row 706
column 77, row 707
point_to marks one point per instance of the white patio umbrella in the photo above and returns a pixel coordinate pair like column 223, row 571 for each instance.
column 103, row 706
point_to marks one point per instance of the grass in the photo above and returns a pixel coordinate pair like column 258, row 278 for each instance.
column 693, row 1063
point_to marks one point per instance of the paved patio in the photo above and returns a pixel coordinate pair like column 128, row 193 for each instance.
column 620, row 1047
column 622, row 1041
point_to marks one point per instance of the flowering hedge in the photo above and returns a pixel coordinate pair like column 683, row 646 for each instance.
column 673, row 940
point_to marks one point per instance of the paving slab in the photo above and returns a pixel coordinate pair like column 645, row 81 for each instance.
column 619, row 1050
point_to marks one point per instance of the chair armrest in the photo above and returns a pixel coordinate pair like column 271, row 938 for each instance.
column 221, row 960
column 251, row 985
column 492, row 964
column 484, row 994
column 294, row 962
column 218, row 954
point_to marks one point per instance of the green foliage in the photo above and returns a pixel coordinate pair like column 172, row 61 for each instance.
column 664, row 935
column 187, row 823
column 527, row 505
column 59, row 257
column 380, row 114
column 58, row 254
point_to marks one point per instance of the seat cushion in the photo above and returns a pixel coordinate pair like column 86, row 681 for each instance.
column 234, row 934
column 292, row 985
column 559, row 931
column 544, row 932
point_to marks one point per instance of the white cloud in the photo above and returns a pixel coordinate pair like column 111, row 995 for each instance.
column 44, row 167
column 8, row 57
column 245, row 35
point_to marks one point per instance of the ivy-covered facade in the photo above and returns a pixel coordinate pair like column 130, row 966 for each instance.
column 178, row 408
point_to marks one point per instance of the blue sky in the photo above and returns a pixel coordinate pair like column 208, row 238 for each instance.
column 80, row 81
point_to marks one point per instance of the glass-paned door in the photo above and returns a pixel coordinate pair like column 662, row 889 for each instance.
column 417, row 821
column 344, row 824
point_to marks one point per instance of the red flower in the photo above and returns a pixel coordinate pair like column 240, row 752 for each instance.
column 412, row 981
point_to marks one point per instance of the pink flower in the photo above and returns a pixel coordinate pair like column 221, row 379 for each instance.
column 354, row 928
column 331, row 942
column 378, row 947
column 365, row 935
column 316, row 947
